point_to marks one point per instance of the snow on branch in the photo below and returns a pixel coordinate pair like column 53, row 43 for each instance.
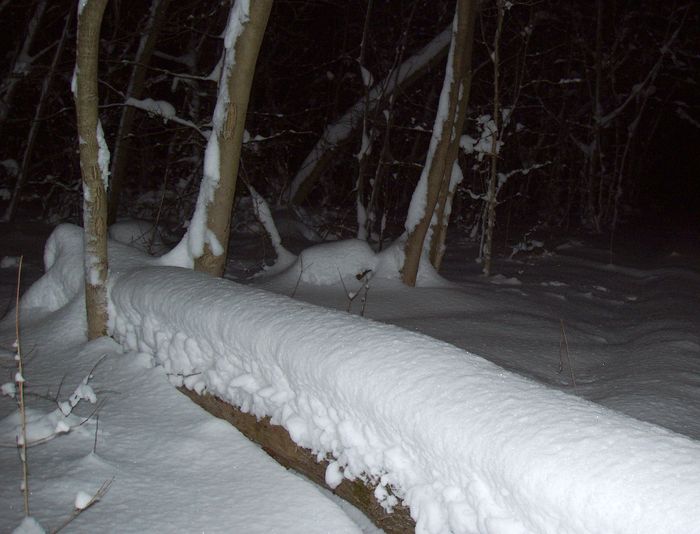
column 163, row 109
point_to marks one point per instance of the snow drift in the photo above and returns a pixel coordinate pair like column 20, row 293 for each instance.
column 468, row 446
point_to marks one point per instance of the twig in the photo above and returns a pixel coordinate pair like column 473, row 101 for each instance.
column 564, row 351
column 364, row 299
column 60, row 386
column 348, row 294
column 19, row 378
column 301, row 271
column 104, row 488
column 97, row 427
column 366, row 277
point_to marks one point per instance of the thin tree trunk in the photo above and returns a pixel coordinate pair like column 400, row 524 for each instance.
column 208, row 233
column 380, row 170
column 94, row 165
column 21, row 62
column 34, row 129
column 495, row 137
column 444, row 142
column 442, row 215
column 596, row 161
column 367, row 137
column 4, row 4
column 122, row 142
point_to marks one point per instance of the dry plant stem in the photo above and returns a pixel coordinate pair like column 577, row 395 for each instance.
column 348, row 294
column 564, row 344
column 301, row 271
column 97, row 428
column 364, row 299
column 22, row 410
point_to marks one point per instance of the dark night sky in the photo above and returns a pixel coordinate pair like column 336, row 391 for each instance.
column 308, row 76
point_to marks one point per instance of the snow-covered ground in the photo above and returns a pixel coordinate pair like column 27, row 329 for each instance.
column 470, row 446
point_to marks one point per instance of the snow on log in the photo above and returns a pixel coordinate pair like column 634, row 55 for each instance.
column 467, row 446
column 276, row 442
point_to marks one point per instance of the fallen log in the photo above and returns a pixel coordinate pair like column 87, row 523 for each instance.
column 276, row 442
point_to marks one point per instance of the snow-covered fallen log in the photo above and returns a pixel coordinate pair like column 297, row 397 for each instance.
column 277, row 443
column 467, row 446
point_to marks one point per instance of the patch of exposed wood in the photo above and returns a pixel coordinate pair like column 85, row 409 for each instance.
column 276, row 442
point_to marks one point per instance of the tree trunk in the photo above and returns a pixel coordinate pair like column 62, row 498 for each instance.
column 491, row 199
column 208, row 233
column 444, row 142
column 122, row 142
column 94, row 165
column 367, row 137
column 442, row 215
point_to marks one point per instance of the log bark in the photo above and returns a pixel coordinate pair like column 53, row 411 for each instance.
column 276, row 442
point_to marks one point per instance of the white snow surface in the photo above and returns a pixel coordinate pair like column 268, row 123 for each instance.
column 345, row 262
column 173, row 467
column 468, row 446
column 102, row 155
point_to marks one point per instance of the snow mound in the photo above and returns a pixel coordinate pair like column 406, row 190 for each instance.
column 328, row 263
column 391, row 259
column 143, row 235
column 347, row 262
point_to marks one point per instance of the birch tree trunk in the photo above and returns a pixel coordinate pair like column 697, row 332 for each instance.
column 444, row 142
column 94, row 164
column 208, row 233
column 122, row 141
